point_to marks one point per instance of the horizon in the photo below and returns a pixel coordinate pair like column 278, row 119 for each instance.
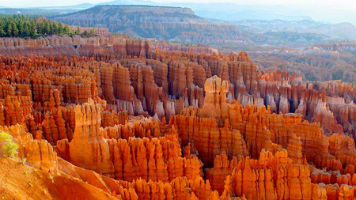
column 329, row 11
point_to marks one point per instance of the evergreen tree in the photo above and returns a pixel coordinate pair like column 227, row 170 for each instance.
column 60, row 29
column 47, row 28
column 27, row 31
column 77, row 31
column 33, row 32
column 25, row 26
column 9, row 30
column 53, row 29
column 21, row 27
column 15, row 30
column 66, row 30
column 2, row 27
column 85, row 33
column 38, row 29
column 2, row 31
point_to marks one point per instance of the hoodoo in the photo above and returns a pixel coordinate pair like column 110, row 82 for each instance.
column 114, row 117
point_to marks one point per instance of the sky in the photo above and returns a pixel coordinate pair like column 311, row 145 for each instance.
column 317, row 9
column 340, row 4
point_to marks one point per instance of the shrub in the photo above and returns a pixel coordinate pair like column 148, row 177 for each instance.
column 7, row 147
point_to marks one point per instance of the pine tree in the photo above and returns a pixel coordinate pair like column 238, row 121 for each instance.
column 27, row 30
column 9, row 30
column 2, row 31
column 24, row 26
column 33, row 32
column 15, row 30
column 59, row 29
column 77, row 31
column 2, row 27
column 21, row 27
column 46, row 28
column 39, row 29
column 85, row 33
column 53, row 28
column 43, row 28
column 66, row 30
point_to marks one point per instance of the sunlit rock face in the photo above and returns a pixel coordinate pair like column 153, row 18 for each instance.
column 121, row 118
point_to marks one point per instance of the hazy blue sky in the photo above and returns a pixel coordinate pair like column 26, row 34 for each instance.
column 317, row 9
column 340, row 4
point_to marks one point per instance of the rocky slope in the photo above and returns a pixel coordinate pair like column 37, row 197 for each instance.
column 163, row 23
column 286, row 45
column 122, row 118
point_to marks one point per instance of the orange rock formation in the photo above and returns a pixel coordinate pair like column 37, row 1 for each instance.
column 135, row 119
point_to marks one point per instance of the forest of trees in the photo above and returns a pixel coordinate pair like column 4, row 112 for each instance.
column 26, row 26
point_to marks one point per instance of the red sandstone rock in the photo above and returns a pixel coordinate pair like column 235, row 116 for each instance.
column 38, row 153
column 295, row 149
column 101, row 134
column 254, row 178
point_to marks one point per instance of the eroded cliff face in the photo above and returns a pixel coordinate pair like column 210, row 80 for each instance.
column 272, row 176
column 135, row 123
column 176, row 76
column 161, row 23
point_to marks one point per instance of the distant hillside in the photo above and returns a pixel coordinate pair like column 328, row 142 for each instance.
column 45, row 11
column 163, row 23
column 182, row 25
column 35, row 11
column 334, row 31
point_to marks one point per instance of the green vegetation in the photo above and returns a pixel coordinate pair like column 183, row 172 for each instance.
column 7, row 147
column 86, row 33
column 51, row 178
column 26, row 26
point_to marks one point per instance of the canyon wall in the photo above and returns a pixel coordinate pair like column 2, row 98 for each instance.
column 126, row 121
